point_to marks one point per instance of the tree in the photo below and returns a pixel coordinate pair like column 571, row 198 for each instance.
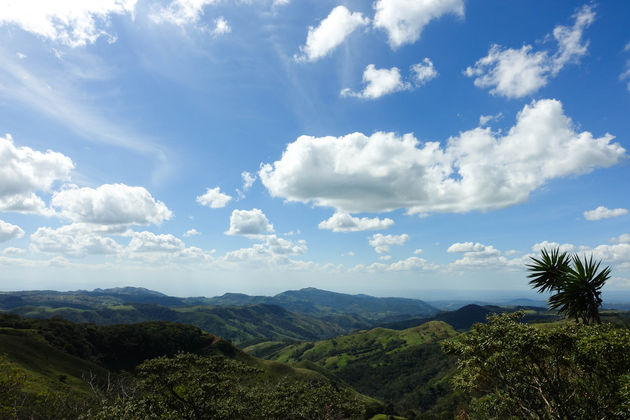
column 516, row 370
column 188, row 386
column 575, row 283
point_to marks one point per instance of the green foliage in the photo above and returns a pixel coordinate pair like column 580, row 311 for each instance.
column 192, row 387
column 11, row 381
column 405, row 367
column 42, row 376
column 239, row 324
column 17, row 403
column 515, row 370
column 575, row 283
column 117, row 347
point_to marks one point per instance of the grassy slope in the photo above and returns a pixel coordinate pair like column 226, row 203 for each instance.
column 46, row 367
column 353, row 346
column 405, row 367
column 40, row 349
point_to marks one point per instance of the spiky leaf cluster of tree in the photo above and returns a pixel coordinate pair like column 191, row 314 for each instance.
column 575, row 283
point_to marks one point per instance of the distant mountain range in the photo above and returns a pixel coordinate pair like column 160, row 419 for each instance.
column 307, row 314
column 310, row 301
column 318, row 302
column 463, row 318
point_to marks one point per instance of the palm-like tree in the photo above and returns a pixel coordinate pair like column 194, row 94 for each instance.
column 575, row 283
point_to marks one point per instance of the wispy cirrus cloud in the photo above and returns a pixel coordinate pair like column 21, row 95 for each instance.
column 52, row 93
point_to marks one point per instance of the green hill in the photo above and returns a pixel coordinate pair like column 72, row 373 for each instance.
column 59, row 364
column 239, row 324
column 405, row 367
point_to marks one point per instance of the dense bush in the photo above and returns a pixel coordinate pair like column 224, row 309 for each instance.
column 188, row 386
column 569, row 371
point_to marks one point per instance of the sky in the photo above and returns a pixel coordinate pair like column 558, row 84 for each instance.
column 421, row 148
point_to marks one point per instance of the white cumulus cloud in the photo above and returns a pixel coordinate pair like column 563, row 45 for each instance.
column 166, row 248
column 602, row 212
column 248, row 180
column 511, row 73
column 181, row 12
column 75, row 240
column 221, row 27
column 547, row 245
column 70, row 22
column 151, row 242
column 381, row 82
column 272, row 251
column 9, row 231
column 424, row 72
column 476, row 254
column 411, row 264
column 476, row 170
column 13, row 252
column 344, row 222
column 192, row 232
column 378, row 82
column 466, row 247
column 330, row 33
column 249, row 223
column 515, row 73
column 404, row 20
column 382, row 243
column 214, row 198
column 110, row 204
column 621, row 239
column 24, row 171
column 617, row 254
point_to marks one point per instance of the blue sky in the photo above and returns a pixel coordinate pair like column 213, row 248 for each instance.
column 394, row 147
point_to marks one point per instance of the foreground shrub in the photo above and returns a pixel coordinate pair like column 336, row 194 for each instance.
column 514, row 370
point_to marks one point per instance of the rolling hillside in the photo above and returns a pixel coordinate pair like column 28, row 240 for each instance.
column 405, row 367
column 56, row 363
column 239, row 324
